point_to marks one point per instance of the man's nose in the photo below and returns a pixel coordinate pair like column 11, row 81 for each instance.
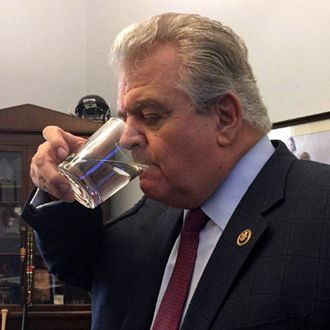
column 132, row 139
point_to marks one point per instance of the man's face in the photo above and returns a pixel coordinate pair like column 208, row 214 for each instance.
column 179, row 144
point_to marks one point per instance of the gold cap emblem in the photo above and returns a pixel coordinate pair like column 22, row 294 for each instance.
column 244, row 237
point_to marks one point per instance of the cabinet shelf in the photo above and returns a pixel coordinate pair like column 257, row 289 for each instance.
column 10, row 203
column 10, row 186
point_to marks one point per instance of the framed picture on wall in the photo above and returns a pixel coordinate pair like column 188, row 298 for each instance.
column 306, row 137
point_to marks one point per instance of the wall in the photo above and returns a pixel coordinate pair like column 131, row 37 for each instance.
column 53, row 52
column 43, row 52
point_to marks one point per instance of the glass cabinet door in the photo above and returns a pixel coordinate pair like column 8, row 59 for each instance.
column 24, row 277
column 10, row 242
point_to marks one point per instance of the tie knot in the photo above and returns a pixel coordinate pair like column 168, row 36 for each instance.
column 195, row 221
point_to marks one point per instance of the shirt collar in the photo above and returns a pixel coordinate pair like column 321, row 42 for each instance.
column 223, row 202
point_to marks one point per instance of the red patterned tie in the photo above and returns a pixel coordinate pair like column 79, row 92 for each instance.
column 171, row 308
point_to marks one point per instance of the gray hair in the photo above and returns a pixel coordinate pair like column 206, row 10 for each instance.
column 214, row 60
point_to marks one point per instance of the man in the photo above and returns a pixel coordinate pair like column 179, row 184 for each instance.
column 263, row 257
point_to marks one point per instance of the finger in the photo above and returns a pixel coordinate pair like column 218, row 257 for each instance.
column 44, row 165
column 44, row 173
column 53, row 183
column 62, row 142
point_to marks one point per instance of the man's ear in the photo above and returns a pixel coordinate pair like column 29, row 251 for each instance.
column 230, row 117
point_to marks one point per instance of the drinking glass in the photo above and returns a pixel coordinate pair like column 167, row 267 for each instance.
column 103, row 165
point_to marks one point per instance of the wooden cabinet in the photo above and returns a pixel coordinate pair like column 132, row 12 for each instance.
column 23, row 275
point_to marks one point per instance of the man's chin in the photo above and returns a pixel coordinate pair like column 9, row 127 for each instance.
column 151, row 189
column 147, row 187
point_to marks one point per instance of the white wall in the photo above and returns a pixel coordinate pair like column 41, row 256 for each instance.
column 55, row 51
column 43, row 52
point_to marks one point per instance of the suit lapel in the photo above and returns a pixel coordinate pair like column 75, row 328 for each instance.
column 228, row 257
column 222, row 269
column 168, row 227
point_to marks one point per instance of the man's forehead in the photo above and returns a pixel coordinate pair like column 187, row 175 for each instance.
column 129, row 79
column 157, row 72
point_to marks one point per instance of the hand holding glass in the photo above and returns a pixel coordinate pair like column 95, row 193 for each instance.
column 103, row 165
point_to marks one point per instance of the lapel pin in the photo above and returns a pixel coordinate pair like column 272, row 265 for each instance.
column 244, row 237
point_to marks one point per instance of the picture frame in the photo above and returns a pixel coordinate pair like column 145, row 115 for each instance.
column 306, row 137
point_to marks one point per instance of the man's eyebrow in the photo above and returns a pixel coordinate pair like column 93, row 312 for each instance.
column 139, row 106
column 144, row 104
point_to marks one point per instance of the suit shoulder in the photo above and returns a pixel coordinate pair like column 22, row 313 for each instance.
column 308, row 189
column 311, row 171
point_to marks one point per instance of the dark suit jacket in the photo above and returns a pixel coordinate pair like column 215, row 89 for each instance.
column 280, row 279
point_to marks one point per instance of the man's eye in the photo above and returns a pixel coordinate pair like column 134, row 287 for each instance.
column 152, row 118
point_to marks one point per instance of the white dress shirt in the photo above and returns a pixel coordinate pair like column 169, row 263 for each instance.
column 219, row 208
